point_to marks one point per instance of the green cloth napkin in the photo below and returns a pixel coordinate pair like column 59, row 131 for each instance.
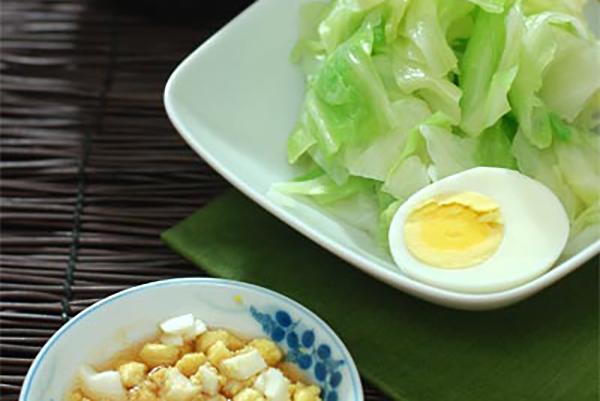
column 545, row 348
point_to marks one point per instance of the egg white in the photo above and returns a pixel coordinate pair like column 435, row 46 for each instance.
column 536, row 229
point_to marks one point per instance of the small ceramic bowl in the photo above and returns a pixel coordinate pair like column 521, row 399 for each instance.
column 131, row 316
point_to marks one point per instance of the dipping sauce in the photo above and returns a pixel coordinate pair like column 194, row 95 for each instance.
column 188, row 361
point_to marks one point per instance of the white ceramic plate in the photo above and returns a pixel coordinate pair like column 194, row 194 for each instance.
column 130, row 316
column 235, row 101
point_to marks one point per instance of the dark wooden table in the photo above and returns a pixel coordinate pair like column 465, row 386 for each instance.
column 92, row 171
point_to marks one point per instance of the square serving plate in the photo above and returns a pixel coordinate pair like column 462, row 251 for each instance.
column 235, row 100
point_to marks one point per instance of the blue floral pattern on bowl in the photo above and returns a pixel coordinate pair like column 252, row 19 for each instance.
column 304, row 349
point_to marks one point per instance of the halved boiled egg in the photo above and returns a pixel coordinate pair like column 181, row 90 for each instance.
column 480, row 231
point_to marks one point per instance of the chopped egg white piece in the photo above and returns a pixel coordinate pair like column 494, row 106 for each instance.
column 199, row 327
column 105, row 385
column 209, row 378
column 178, row 387
column 243, row 366
column 273, row 384
column 179, row 325
column 172, row 339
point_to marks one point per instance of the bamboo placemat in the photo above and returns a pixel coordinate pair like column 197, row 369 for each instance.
column 92, row 171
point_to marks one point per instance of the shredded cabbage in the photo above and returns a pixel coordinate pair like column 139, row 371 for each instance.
column 402, row 93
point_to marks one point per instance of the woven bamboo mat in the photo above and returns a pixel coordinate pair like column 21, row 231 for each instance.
column 92, row 171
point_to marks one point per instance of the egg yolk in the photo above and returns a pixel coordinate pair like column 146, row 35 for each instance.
column 454, row 231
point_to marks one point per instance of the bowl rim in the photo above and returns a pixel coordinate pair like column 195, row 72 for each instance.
column 395, row 279
column 30, row 378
